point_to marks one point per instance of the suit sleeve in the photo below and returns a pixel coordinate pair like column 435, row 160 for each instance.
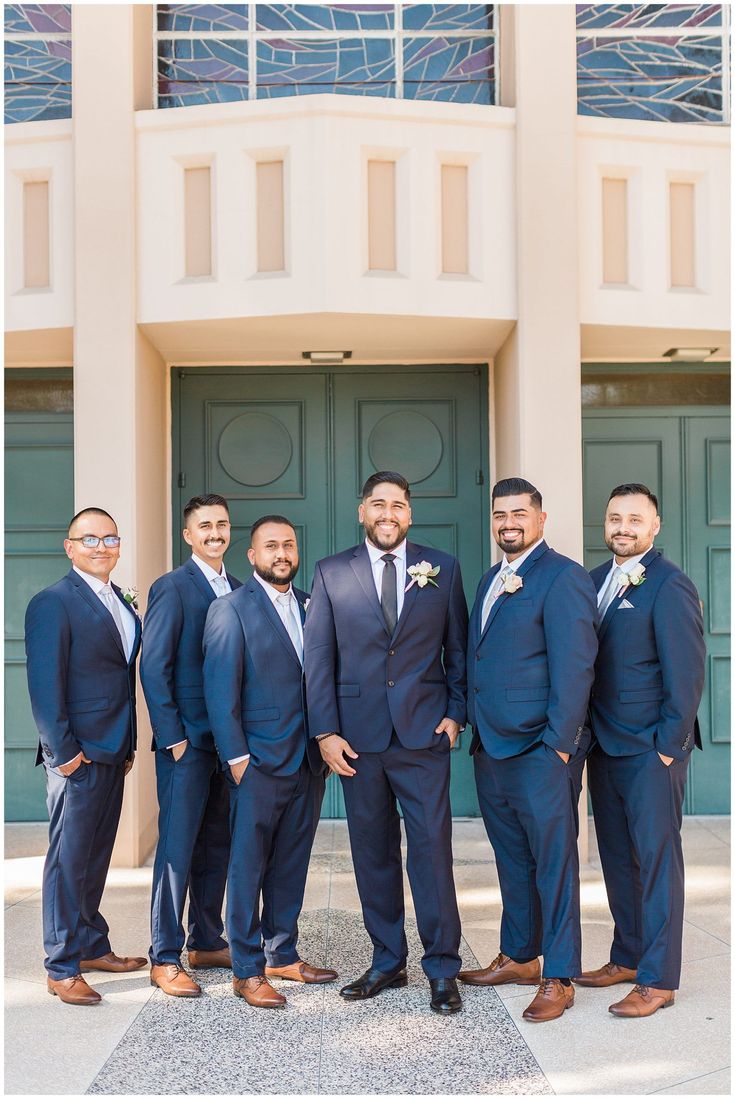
column 320, row 661
column 570, row 621
column 679, row 631
column 455, row 649
column 164, row 621
column 224, row 668
column 48, row 639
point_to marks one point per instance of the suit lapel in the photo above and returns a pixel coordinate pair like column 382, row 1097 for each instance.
column 414, row 554
column 363, row 570
column 617, row 599
column 200, row 582
column 522, row 571
column 274, row 619
column 83, row 589
column 479, row 601
column 136, row 620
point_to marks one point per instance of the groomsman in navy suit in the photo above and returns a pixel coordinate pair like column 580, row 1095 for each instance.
column 385, row 676
column 193, row 798
column 648, row 685
column 82, row 640
column 530, row 666
column 254, row 689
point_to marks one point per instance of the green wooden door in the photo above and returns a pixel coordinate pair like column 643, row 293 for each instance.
column 39, row 501
column 684, row 458
column 301, row 443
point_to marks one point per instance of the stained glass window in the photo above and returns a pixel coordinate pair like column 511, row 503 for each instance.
column 411, row 51
column 37, row 62
column 657, row 62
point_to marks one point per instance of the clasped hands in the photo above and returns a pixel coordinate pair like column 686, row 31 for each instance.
column 335, row 749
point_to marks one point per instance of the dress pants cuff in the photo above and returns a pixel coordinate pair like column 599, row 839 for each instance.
column 218, row 944
column 71, row 969
column 249, row 969
column 276, row 961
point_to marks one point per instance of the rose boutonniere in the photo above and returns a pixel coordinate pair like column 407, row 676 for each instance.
column 423, row 574
column 512, row 582
column 636, row 577
column 130, row 595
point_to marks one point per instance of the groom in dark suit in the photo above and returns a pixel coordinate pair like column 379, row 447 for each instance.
column 193, row 798
column 254, row 689
column 385, row 676
column 82, row 640
column 530, row 665
column 648, row 685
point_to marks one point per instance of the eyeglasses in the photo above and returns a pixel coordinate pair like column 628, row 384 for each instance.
column 91, row 541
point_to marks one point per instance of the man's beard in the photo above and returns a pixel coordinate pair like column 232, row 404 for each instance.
column 271, row 577
column 629, row 548
column 385, row 541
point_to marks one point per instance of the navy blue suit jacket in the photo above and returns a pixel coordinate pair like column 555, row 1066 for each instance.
column 171, row 661
column 254, row 683
column 650, row 668
column 530, row 670
column 81, row 684
column 362, row 682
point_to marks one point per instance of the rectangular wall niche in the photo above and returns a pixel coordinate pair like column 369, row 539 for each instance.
column 681, row 235
column 615, row 232
column 381, row 215
column 36, row 247
column 197, row 222
column 454, row 213
column 271, row 251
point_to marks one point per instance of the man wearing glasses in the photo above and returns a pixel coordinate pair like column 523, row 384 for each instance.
column 82, row 640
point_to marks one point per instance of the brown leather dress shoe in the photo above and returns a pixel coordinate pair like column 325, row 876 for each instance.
column 504, row 971
column 111, row 963
column 210, row 959
column 608, row 974
column 257, row 991
column 643, row 1001
column 73, row 990
column 174, row 981
column 552, row 1000
column 303, row 972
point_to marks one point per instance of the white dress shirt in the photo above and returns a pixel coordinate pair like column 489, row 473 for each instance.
column 628, row 564
column 378, row 565
column 215, row 578
column 504, row 564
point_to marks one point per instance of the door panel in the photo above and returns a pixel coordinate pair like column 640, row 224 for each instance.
column 302, row 444
column 39, row 501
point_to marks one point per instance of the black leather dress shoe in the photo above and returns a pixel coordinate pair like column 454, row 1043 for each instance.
column 372, row 982
column 445, row 997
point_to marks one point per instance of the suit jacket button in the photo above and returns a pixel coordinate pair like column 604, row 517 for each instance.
column 391, row 683
column 391, row 652
column 580, row 728
column 477, row 690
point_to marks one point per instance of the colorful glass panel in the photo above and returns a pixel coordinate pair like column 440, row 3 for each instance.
column 293, row 18
column 447, row 17
column 37, row 19
column 209, row 70
column 37, row 80
column 364, row 66
column 622, row 16
column 449, row 69
column 659, row 79
column 212, row 18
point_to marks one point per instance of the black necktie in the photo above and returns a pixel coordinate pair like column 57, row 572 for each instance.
column 389, row 593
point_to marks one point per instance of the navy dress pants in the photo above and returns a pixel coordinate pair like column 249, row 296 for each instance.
column 419, row 780
column 192, row 854
column 637, row 804
column 84, row 812
column 529, row 804
column 273, row 820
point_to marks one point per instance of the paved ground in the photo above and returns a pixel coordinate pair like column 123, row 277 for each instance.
column 140, row 1042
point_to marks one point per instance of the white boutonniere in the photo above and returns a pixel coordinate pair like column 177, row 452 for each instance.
column 512, row 582
column 636, row 577
column 422, row 574
column 306, row 604
column 130, row 595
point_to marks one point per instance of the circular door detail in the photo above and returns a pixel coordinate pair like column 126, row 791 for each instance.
column 407, row 442
column 255, row 449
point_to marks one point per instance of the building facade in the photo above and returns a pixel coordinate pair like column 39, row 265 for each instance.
column 264, row 250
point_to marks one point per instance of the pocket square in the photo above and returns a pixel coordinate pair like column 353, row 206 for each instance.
column 626, row 606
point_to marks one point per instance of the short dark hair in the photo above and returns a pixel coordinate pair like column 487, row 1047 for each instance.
column 271, row 519
column 634, row 489
column 208, row 500
column 517, row 486
column 90, row 511
column 386, row 476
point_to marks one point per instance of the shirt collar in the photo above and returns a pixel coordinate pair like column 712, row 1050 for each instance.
column 376, row 554
column 515, row 565
column 273, row 593
column 210, row 573
column 630, row 562
column 94, row 582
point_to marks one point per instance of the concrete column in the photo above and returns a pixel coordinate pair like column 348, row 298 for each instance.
column 538, row 407
column 119, row 379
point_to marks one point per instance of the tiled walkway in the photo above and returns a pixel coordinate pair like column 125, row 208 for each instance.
column 139, row 1041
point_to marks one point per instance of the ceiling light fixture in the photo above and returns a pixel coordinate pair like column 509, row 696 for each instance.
column 689, row 354
column 326, row 358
